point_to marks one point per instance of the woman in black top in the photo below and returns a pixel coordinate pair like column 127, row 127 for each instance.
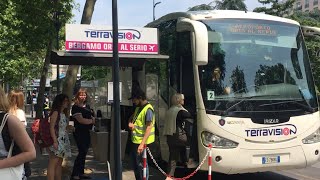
column 83, row 121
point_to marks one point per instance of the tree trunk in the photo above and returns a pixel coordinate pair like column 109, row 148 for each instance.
column 71, row 76
column 43, row 79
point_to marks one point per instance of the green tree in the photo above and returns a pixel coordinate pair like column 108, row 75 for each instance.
column 94, row 72
column 71, row 75
column 312, row 43
column 230, row 5
column 278, row 8
column 26, row 37
column 222, row 5
column 202, row 7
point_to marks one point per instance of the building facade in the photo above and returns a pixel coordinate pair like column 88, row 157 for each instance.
column 306, row 5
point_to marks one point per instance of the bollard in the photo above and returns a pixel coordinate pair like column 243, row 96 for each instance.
column 209, row 162
column 144, row 157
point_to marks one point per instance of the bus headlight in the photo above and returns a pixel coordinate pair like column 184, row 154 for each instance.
column 217, row 141
column 313, row 138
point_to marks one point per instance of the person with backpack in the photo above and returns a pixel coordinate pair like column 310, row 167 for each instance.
column 83, row 121
column 58, row 130
column 16, row 147
column 16, row 103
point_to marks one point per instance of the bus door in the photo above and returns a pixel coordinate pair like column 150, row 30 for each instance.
column 186, row 76
column 186, row 87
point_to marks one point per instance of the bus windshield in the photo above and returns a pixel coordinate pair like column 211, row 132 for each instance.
column 256, row 66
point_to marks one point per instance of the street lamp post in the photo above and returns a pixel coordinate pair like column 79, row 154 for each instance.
column 154, row 7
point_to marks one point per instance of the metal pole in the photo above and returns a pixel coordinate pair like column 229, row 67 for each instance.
column 153, row 10
column 154, row 7
column 116, row 94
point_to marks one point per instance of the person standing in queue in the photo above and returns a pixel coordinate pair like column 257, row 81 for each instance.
column 16, row 103
column 143, row 131
column 83, row 121
column 14, row 140
column 58, row 129
column 176, row 133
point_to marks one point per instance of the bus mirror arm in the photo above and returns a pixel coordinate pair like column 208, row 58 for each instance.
column 199, row 39
column 311, row 31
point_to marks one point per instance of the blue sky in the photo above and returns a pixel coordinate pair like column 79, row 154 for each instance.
column 137, row 13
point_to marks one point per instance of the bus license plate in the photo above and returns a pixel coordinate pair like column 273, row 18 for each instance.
column 270, row 159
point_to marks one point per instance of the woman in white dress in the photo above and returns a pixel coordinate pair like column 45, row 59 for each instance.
column 58, row 130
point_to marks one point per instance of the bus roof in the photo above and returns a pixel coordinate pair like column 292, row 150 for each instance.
column 220, row 14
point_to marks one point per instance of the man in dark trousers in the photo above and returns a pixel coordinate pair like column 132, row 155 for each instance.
column 142, row 128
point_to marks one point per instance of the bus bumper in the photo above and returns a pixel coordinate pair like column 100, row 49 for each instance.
column 234, row 161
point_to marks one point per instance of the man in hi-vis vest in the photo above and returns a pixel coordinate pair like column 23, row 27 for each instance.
column 142, row 129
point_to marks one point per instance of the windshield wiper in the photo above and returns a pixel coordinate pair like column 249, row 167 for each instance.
column 307, row 108
column 242, row 100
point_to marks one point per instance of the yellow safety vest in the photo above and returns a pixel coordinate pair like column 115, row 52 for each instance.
column 140, row 125
column 46, row 106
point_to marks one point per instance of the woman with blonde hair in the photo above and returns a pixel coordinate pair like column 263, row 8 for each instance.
column 16, row 101
column 174, row 129
column 14, row 139
column 83, row 120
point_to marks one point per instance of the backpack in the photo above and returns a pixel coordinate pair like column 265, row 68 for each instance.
column 41, row 132
column 35, row 130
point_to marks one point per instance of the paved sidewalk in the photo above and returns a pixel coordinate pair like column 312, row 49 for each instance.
column 97, row 170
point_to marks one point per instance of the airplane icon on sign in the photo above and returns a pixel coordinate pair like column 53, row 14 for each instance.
column 151, row 47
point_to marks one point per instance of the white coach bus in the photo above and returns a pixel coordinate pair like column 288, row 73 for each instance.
column 247, row 80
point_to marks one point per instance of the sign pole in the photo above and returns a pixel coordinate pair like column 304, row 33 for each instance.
column 116, row 95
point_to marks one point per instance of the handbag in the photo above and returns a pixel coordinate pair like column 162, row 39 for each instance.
column 11, row 173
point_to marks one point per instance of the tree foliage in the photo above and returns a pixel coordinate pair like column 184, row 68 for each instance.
column 305, row 19
column 72, row 71
column 94, row 72
column 25, row 29
column 230, row 5
column 312, row 43
column 202, row 7
column 221, row 5
column 278, row 8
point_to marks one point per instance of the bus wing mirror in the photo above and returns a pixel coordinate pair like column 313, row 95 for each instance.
column 199, row 39
column 310, row 31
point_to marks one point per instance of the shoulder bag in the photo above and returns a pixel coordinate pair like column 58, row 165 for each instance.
column 11, row 173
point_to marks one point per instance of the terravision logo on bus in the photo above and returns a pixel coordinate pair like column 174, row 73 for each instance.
column 279, row 130
column 127, row 34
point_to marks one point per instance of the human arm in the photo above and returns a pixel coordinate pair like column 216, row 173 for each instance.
column 130, row 124
column 22, row 116
column 53, row 121
column 21, row 138
column 227, row 90
column 77, row 114
column 183, row 116
column 149, row 126
column 83, row 120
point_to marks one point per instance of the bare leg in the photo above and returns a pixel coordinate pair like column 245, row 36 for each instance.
column 58, row 172
column 53, row 160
